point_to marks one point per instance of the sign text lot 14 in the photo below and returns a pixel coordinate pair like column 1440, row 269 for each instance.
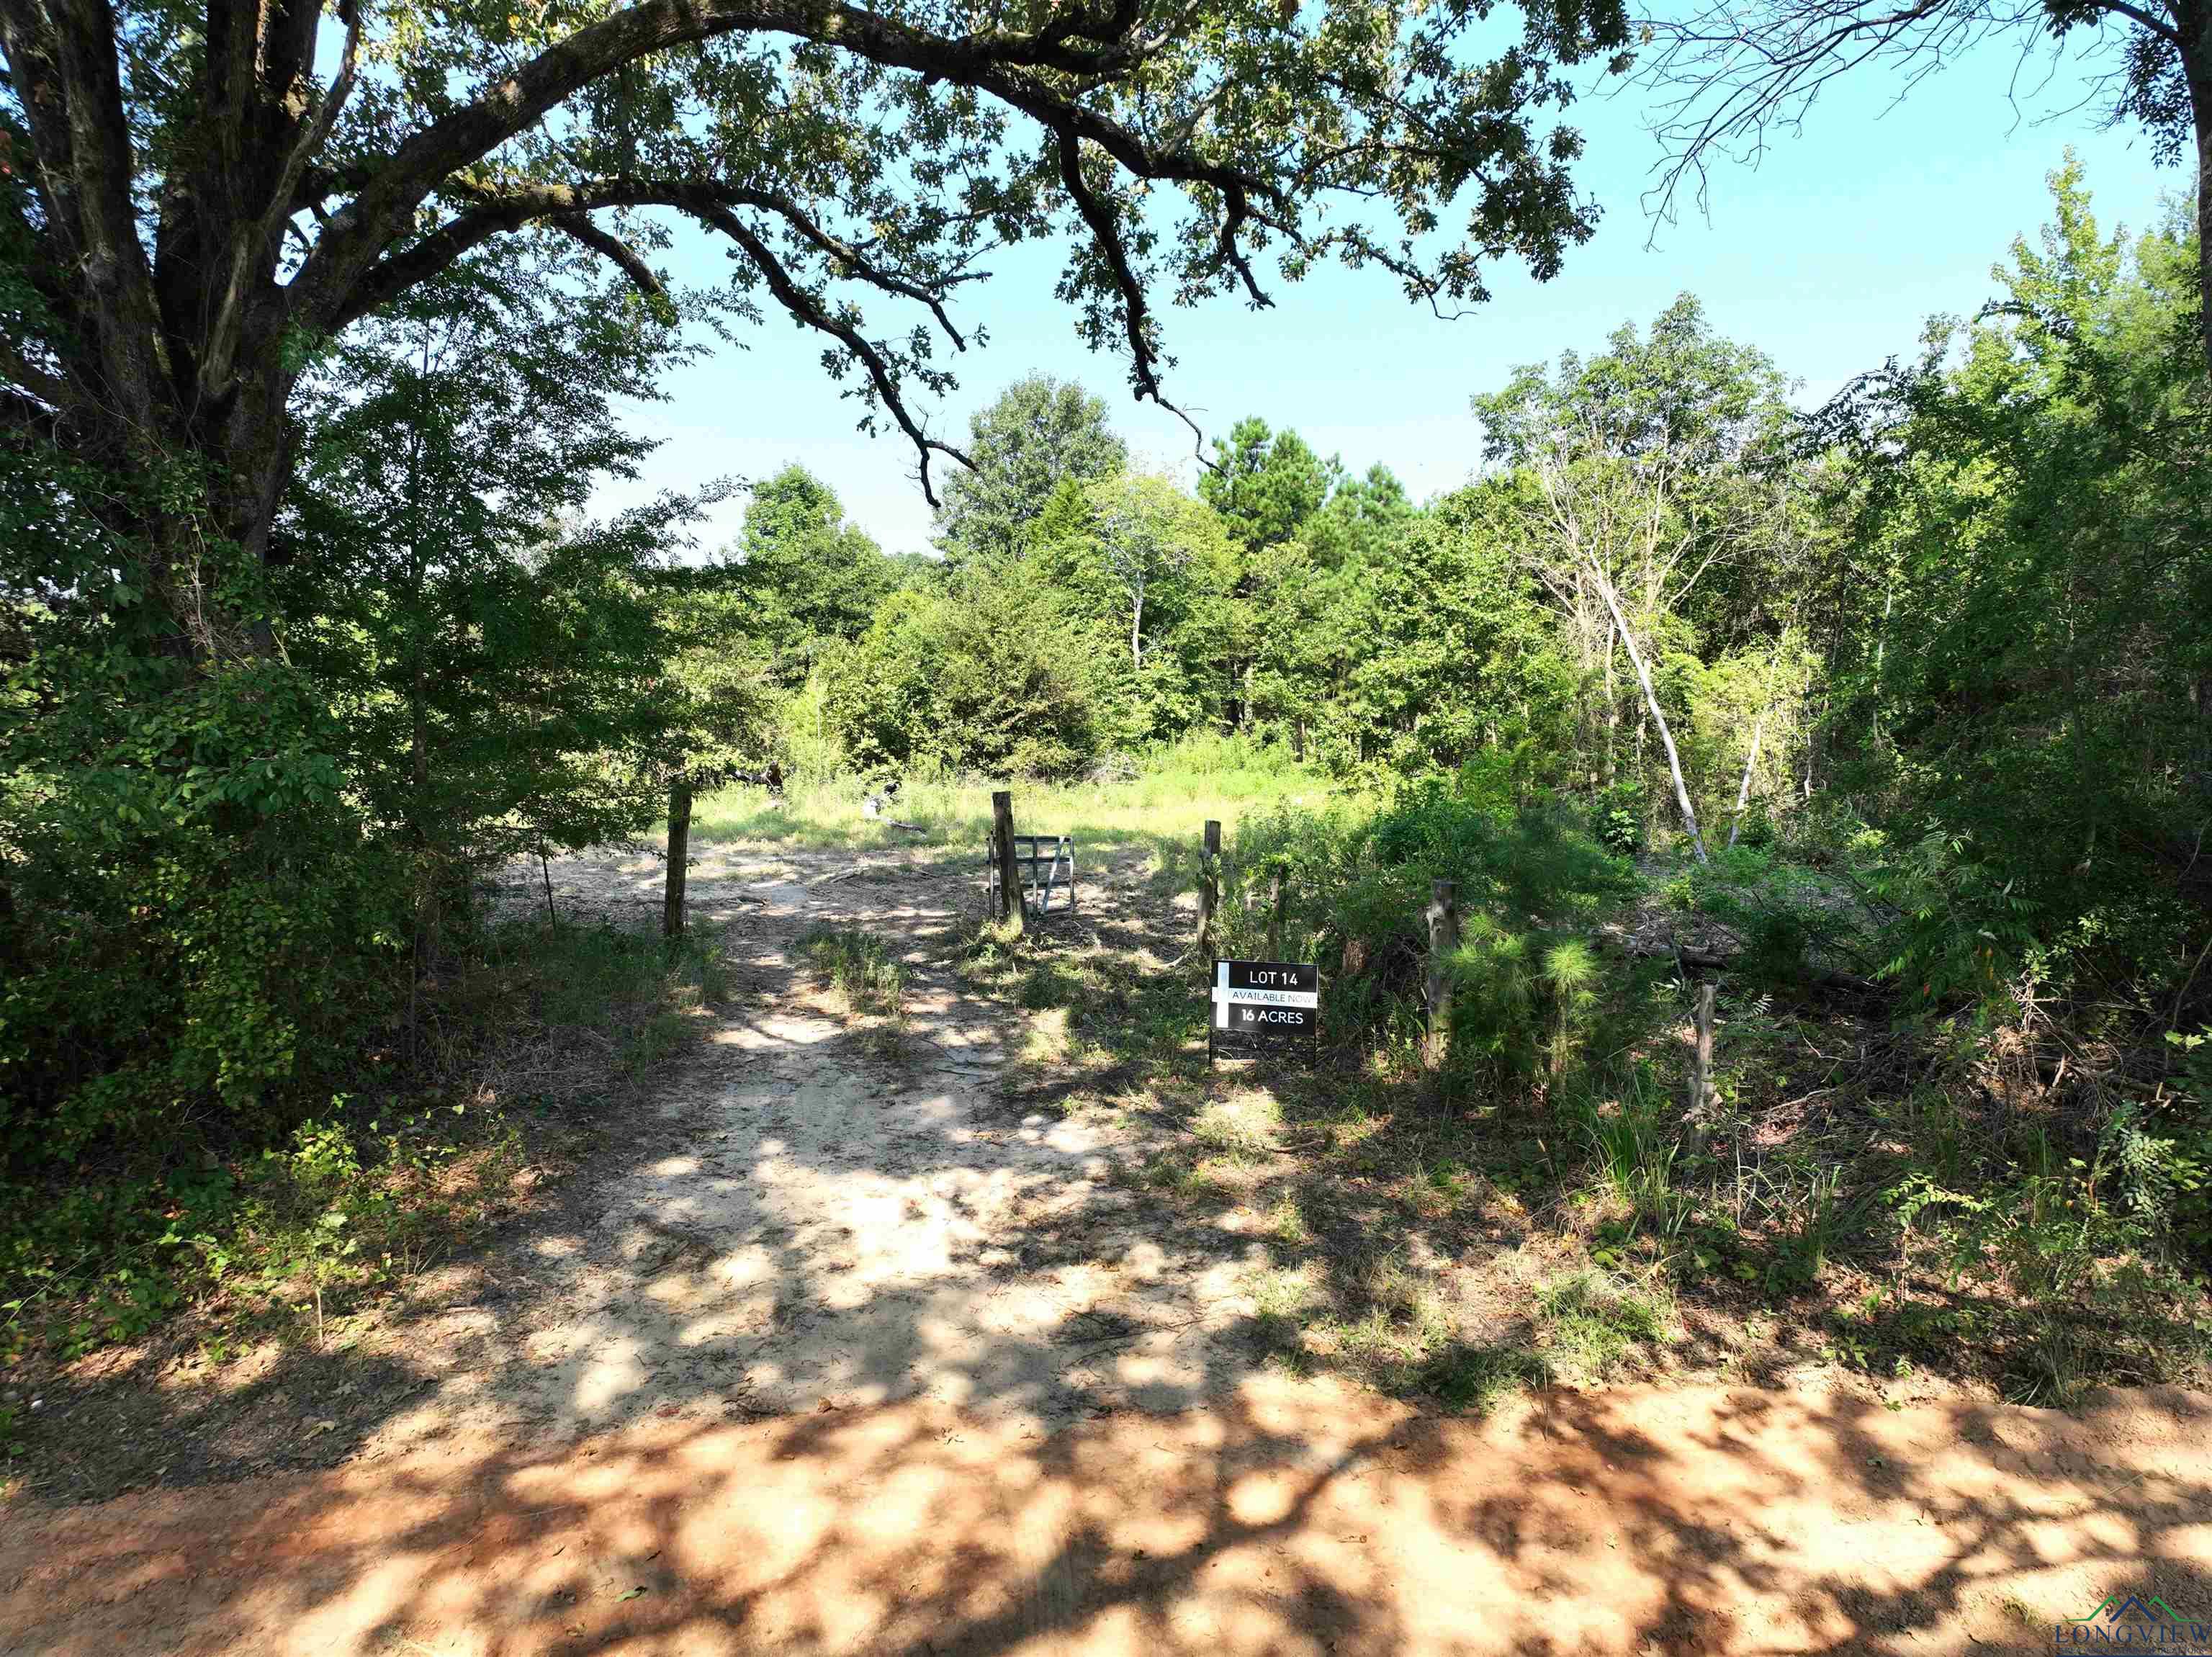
column 1263, row 1005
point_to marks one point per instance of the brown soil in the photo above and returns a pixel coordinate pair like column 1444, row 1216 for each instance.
column 846, row 1345
column 812, row 1206
column 1287, row 1518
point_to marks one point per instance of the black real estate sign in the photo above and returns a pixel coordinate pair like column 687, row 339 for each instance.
column 1264, row 1007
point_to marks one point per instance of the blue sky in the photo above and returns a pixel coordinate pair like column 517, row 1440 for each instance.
column 1830, row 256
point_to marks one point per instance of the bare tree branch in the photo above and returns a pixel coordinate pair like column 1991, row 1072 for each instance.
column 1728, row 73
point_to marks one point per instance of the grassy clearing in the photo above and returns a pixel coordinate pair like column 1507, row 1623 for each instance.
column 1585, row 1244
column 511, row 1072
column 1167, row 803
column 1097, row 1011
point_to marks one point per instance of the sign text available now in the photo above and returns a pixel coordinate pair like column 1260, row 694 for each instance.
column 1265, row 1004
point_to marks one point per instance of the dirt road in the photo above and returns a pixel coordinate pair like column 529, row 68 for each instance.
column 846, row 1354
column 831, row 1213
column 1283, row 1518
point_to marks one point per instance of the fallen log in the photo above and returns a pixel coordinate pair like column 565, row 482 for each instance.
column 1715, row 961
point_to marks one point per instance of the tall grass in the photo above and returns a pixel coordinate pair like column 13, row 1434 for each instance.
column 1633, row 1149
column 1166, row 798
column 859, row 966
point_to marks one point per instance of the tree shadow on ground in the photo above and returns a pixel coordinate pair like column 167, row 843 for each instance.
column 1282, row 1520
column 1242, row 1514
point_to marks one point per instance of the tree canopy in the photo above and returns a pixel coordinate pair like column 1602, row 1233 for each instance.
column 1035, row 436
column 206, row 199
column 808, row 574
column 1265, row 484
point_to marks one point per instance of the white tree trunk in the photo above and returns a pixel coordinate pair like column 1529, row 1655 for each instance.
column 1743, row 791
column 1651, row 701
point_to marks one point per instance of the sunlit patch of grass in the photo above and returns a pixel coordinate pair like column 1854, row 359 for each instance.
column 1171, row 1171
column 1593, row 1320
column 1441, row 1188
column 1166, row 803
column 1120, row 1012
column 1048, row 984
column 2053, row 1368
column 1280, row 1299
column 1634, row 1157
column 1478, row 1378
column 1407, row 1299
column 858, row 967
column 1353, row 1137
column 1286, row 1223
column 1210, row 1176
column 1383, row 1321
column 1240, row 1129
column 1046, row 1040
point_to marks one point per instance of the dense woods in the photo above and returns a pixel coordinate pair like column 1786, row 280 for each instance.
column 314, row 357
column 1949, row 626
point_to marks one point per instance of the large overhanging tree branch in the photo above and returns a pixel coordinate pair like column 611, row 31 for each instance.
column 1732, row 74
column 201, row 210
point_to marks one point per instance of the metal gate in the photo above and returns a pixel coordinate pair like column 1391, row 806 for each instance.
column 1046, row 866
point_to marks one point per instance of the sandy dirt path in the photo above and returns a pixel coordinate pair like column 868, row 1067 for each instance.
column 841, row 1353
column 829, row 1212
column 1283, row 1518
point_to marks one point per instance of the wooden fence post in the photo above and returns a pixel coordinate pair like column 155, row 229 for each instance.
column 1209, row 890
column 679, row 857
column 1278, row 899
column 1701, row 1068
column 1011, row 906
column 1443, row 915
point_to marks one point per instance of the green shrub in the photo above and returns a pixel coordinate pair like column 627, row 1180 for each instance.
column 1783, row 913
column 369, row 1187
column 203, row 940
column 1520, row 999
column 1531, row 882
column 1618, row 815
column 990, row 675
column 2160, row 1157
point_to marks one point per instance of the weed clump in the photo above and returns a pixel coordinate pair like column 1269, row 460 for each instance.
column 858, row 967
